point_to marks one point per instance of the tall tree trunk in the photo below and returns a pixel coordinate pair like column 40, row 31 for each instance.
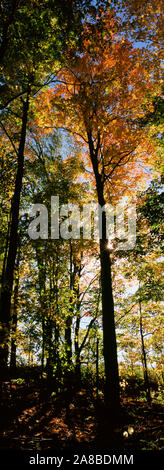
column 144, row 359
column 97, row 367
column 68, row 336
column 56, row 352
column 56, row 322
column 49, row 333
column 77, row 348
column 43, row 345
column 49, row 338
column 112, row 398
column 14, row 316
column 6, row 250
column 6, row 291
column 41, row 261
column 78, row 318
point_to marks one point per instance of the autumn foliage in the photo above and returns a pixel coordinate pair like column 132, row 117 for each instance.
column 80, row 322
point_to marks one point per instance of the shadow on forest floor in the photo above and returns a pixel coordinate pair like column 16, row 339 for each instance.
column 36, row 418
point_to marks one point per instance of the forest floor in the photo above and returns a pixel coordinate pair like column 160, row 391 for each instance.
column 33, row 417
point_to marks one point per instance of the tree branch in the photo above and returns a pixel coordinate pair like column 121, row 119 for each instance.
column 87, row 333
column 119, row 163
column 87, row 288
column 124, row 314
column 10, row 139
column 12, row 99
column 90, row 325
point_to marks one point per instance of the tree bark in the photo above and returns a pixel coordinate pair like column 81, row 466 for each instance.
column 112, row 400
column 77, row 348
column 144, row 359
column 111, row 396
column 68, row 336
column 97, row 367
column 41, row 261
column 56, row 322
column 49, row 332
column 7, row 286
column 6, row 250
column 14, row 316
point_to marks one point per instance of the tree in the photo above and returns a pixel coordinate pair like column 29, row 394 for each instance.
column 97, row 100
column 7, row 285
column 58, row 261
column 43, row 37
column 139, row 310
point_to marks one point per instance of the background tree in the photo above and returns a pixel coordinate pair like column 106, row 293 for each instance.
column 32, row 39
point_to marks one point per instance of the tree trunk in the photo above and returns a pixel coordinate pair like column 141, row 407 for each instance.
column 56, row 353
column 56, row 322
column 6, row 291
column 14, row 316
column 77, row 348
column 41, row 261
column 78, row 319
column 112, row 400
column 68, row 336
column 97, row 368
column 144, row 359
column 68, row 340
column 49, row 332
column 6, row 250
column 43, row 345
column 111, row 396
